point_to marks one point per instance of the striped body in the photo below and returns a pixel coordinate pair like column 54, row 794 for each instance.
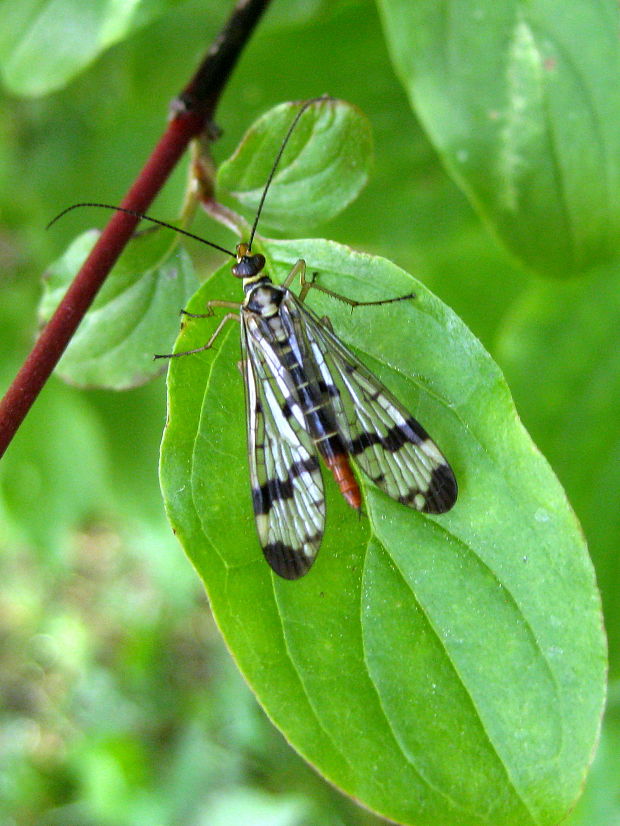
column 308, row 392
column 307, row 395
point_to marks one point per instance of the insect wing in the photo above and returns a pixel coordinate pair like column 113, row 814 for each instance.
column 287, row 489
column 390, row 446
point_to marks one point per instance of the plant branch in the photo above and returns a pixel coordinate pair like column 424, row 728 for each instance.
column 192, row 113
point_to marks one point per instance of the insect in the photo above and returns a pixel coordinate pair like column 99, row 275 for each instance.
column 309, row 397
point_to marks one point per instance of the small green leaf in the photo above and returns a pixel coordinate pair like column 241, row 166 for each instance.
column 439, row 669
column 45, row 43
column 135, row 314
column 324, row 167
column 521, row 101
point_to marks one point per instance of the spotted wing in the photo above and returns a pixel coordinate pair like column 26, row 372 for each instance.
column 390, row 446
column 287, row 489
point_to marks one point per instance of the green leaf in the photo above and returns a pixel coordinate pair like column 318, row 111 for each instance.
column 45, row 43
column 439, row 669
column 135, row 314
column 520, row 101
column 324, row 167
column 560, row 351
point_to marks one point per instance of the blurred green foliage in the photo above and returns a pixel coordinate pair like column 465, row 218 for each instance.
column 119, row 703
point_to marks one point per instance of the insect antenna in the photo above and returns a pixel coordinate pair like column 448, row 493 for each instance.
column 277, row 161
column 185, row 232
column 144, row 218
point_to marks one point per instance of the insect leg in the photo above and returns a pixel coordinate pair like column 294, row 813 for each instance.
column 228, row 317
column 306, row 286
column 216, row 302
column 299, row 268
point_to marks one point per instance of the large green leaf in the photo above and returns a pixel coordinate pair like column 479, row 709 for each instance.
column 324, row 166
column 45, row 43
column 135, row 314
column 439, row 669
column 520, row 99
column 560, row 351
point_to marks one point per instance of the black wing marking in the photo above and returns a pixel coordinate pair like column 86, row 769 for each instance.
column 385, row 440
column 287, row 489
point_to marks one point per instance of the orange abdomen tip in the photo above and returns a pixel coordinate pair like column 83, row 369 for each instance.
column 340, row 467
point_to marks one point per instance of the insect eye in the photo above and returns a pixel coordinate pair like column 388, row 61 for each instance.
column 249, row 265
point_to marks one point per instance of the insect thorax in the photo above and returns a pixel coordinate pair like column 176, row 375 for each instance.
column 263, row 297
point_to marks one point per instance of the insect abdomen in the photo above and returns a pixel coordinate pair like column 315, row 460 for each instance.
column 317, row 411
column 340, row 467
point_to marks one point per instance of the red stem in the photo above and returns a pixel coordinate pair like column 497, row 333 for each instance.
column 193, row 112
